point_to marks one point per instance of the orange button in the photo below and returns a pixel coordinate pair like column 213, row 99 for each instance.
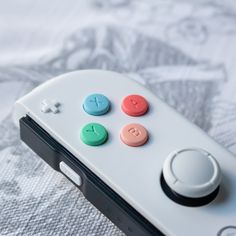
column 134, row 105
column 134, row 135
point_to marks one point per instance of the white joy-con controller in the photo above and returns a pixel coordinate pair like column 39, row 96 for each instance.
column 166, row 168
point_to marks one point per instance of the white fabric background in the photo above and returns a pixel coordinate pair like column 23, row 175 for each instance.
column 184, row 51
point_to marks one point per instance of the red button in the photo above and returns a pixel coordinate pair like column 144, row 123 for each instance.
column 134, row 105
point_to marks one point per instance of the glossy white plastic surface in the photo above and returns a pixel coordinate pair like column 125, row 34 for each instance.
column 134, row 172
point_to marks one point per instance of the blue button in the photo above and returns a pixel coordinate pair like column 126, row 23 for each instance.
column 96, row 104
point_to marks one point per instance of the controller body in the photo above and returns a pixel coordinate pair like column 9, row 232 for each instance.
column 121, row 171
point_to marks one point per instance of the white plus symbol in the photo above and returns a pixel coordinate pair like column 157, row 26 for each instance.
column 50, row 106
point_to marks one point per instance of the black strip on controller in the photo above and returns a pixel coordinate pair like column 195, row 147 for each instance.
column 94, row 189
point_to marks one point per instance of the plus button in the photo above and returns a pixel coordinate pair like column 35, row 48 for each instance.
column 48, row 105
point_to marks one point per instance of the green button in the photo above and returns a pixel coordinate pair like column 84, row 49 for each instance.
column 94, row 134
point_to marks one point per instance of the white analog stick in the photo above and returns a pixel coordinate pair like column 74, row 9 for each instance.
column 192, row 173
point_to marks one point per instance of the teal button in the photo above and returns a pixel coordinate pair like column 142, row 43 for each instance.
column 96, row 104
column 94, row 134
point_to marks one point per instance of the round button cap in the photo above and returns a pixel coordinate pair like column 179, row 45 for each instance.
column 227, row 231
column 134, row 135
column 192, row 173
column 134, row 105
column 93, row 134
column 96, row 104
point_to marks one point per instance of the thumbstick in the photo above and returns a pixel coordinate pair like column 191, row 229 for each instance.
column 191, row 177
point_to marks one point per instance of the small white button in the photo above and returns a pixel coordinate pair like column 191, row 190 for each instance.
column 192, row 172
column 50, row 106
column 70, row 173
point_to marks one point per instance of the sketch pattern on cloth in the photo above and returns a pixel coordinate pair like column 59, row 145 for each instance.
column 33, row 197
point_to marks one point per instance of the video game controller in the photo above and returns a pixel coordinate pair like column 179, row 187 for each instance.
column 143, row 165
